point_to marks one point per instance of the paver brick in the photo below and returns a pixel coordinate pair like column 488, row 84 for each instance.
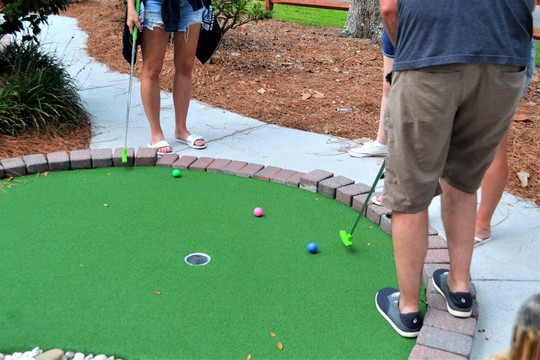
column 437, row 242
column 346, row 193
column 117, row 157
column 81, row 159
column 282, row 175
column 58, row 161
column 329, row 186
column 146, row 157
column 420, row 352
column 167, row 160
column 446, row 341
column 358, row 202
column 437, row 256
column 294, row 180
column 432, row 231
column 386, row 224
column 36, row 163
column 250, row 170
column 311, row 180
column 218, row 165
column 375, row 212
column 101, row 158
column 443, row 320
column 184, row 162
column 201, row 163
column 234, row 167
column 14, row 166
column 266, row 173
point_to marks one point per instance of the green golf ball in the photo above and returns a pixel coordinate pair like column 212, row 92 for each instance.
column 176, row 173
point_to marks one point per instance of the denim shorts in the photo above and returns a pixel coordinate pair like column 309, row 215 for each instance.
column 531, row 65
column 387, row 47
column 152, row 15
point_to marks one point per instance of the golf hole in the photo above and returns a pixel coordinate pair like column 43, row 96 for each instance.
column 197, row 259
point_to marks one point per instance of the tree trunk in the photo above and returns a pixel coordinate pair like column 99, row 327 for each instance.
column 364, row 21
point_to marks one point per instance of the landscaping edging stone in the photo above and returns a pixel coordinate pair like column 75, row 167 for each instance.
column 442, row 336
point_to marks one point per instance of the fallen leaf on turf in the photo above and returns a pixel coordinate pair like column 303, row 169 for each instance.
column 106, row 205
column 46, row 173
column 272, row 334
column 368, row 244
column 157, row 292
column 370, row 227
column 280, row 345
column 249, row 357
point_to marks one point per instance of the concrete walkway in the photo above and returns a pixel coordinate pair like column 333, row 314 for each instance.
column 506, row 271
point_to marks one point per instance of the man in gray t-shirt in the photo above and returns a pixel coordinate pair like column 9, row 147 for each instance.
column 457, row 78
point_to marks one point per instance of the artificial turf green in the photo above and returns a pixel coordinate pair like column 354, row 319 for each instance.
column 93, row 261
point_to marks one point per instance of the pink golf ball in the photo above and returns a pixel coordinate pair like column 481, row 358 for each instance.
column 258, row 212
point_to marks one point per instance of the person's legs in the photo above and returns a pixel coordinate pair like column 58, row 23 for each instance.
column 458, row 212
column 492, row 189
column 154, row 44
column 185, row 45
column 388, row 62
column 378, row 147
column 409, row 236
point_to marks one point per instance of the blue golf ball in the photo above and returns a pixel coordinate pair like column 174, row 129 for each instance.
column 312, row 247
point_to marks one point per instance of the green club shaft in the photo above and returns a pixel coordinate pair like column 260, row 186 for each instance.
column 368, row 196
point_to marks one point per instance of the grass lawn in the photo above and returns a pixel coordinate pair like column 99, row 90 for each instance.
column 310, row 16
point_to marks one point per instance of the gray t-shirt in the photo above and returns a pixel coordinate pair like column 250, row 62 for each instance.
column 438, row 32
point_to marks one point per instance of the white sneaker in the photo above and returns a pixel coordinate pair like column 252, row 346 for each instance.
column 371, row 148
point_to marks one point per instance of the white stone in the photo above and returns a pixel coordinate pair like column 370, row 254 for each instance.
column 69, row 355
column 89, row 357
column 53, row 354
column 79, row 356
column 36, row 351
column 100, row 357
column 17, row 355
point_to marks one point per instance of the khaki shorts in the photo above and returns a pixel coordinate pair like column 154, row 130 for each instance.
column 445, row 122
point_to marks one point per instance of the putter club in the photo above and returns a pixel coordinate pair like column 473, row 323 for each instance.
column 131, row 66
column 347, row 237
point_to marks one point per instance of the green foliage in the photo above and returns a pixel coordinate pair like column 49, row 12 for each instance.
column 27, row 15
column 537, row 54
column 36, row 92
column 310, row 16
column 235, row 13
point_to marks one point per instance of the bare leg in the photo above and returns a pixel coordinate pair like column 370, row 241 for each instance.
column 409, row 233
column 458, row 214
column 185, row 45
column 387, row 68
column 154, row 44
column 493, row 186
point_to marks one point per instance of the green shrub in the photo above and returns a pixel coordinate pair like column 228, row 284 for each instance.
column 36, row 92
column 235, row 13
column 27, row 16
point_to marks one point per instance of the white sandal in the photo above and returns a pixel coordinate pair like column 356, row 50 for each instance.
column 190, row 141
column 159, row 145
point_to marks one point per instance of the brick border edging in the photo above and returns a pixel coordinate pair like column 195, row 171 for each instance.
column 442, row 336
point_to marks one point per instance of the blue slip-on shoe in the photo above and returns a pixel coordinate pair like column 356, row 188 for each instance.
column 407, row 325
column 459, row 304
